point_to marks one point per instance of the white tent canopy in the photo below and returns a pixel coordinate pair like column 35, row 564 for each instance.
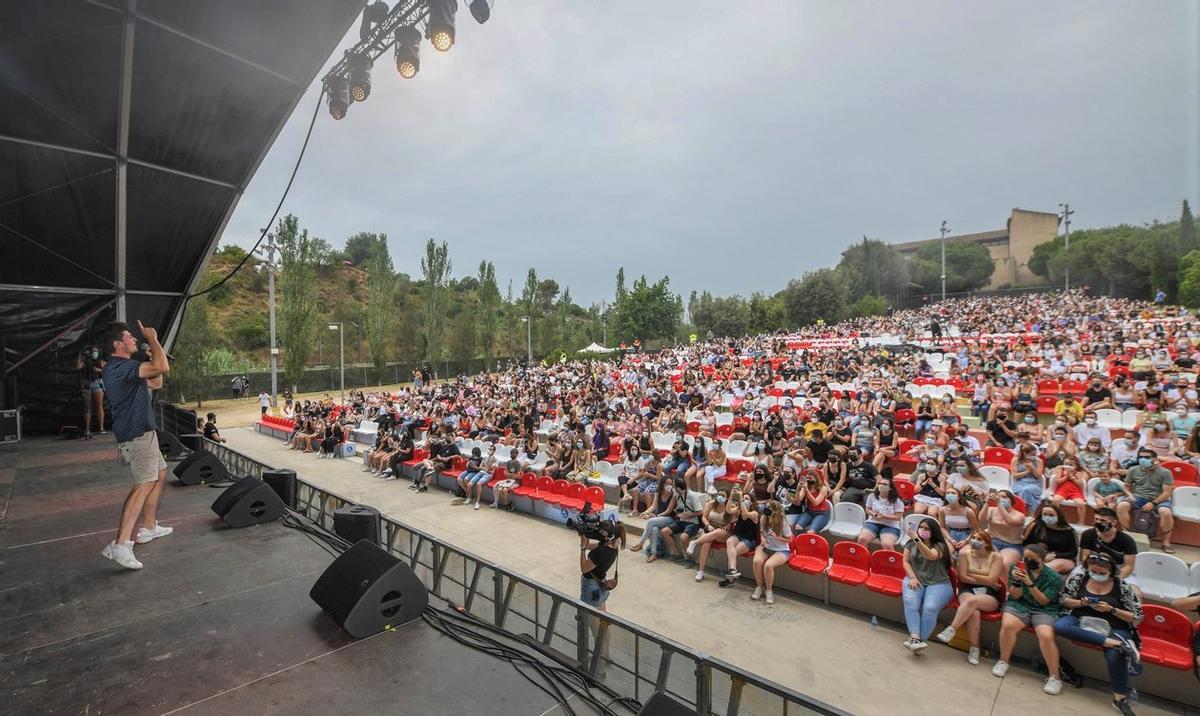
column 595, row 348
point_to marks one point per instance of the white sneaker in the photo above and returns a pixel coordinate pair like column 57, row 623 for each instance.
column 494, row 505
column 1000, row 669
column 1053, row 686
column 700, row 576
column 122, row 554
column 946, row 635
column 770, row 597
column 973, row 656
column 691, row 549
column 477, row 505
column 147, row 535
column 758, row 591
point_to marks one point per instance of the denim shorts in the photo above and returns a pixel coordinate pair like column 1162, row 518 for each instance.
column 999, row 545
column 591, row 592
column 749, row 544
column 876, row 529
column 481, row 478
column 1032, row 619
column 1139, row 502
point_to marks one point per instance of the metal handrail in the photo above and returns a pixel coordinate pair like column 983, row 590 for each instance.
column 430, row 555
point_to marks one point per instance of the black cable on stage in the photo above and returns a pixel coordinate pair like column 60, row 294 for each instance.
column 307, row 135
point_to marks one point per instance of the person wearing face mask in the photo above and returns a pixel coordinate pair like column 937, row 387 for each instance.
column 661, row 513
column 885, row 445
column 981, row 397
column 1027, row 473
column 1106, row 537
column 1090, row 429
column 631, row 470
column 1150, row 485
column 1097, row 396
column 714, row 521
column 884, row 510
column 772, row 551
column 860, row 477
column 930, row 484
column 927, row 589
column 1182, row 422
column 969, row 443
column 980, row 581
column 1050, row 529
column 758, row 485
column 1033, row 591
column 642, row 493
column 814, row 493
column 925, row 416
column 1159, row 439
column 958, row 518
column 89, row 363
column 715, row 467
column 1067, row 405
column 1068, row 481
column 744, row 536
column 1004, row 523
column 839, row 435
column 1104, row 611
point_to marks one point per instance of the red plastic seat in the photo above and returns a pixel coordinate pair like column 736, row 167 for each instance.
column 1048, row 385
column 810, row 554
column 573, row 498
column 851, row 563
column 558, row 492
column 528, row 486
column 419, row 456
column 724, row 431
column 594, row 496
column 614, row 452
column 905, row 417
column 1185, row 473
column 905, row 489
column 545, row 487
column 887, row 573
column 1046, row 403
column 999, row 456
column 498, row 475
column 1073, row 387
column 457, row 466
column 1166, row 637
column 693, row 428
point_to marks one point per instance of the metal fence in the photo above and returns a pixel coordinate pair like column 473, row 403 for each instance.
column 631, row 660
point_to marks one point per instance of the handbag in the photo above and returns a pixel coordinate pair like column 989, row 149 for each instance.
column 1145, row 523
column 611, row 584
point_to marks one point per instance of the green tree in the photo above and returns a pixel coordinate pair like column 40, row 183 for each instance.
column 1189, row 278
column 647, row 311
column 872, row 266
column 297, row 324
column 362, row 246
column 767, row 313
column 488, row 318
column 718, row 316
column 817, row 295
column 969, row 267
column 435, row 267
column 195, row 339
column 1188, row 241
column 869, row 305
column 380, row 319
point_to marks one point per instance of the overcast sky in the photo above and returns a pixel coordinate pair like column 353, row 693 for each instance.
column 733, row 146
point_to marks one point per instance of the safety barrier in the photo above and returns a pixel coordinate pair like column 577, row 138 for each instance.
column 631, row 660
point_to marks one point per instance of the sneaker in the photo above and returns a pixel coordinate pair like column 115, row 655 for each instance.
column 910, row 642
column 770, row 597
column 919, row 645
column 495, row 505
column 732, row 573
column 758, row 591
column 412, row 486
column 700, row 576
column 1053, row 686
column 1132, row 655
column 1000, row 669
column 147, row 535
column 423, row 488
column 477, row 505
column 691, row 549
column 103, row 431
column 508, row 507
column 1123, row 706
column 389, row 478
column 973, row 656
column 387, row 471
column 122, row 554
column 946, row 635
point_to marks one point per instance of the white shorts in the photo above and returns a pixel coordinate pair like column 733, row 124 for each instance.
column 143, row 457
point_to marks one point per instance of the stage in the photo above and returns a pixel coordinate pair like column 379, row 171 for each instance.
column 218, row 622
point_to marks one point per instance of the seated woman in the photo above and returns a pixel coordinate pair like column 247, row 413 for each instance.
column 980, row 579
column 1050, row 528
column 714, row 523
column 1033, row 591
column 1067, row 483
column 377, row 460
column 1104, row 611
column 642, row 493
column 660, row 514
column 948, row 411
column 743, row 534
column 886, row 444
column 630, row 471
column 930, row 484
column 714, row 468
column 1027, row 471
column 927, row 590
column 959, row 519
column 405, row 449
column 815, row 494
column 1004, row 524
column 579, row 469
column 467, row 477
column 971, row 484
column 333, row 437
column 925, row 416
column 884, row 511
column 772, row 551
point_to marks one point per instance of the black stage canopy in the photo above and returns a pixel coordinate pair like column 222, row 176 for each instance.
column 128, row 131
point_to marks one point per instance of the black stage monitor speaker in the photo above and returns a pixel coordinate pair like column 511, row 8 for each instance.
column 661, row 704
column 192, row 441
column 367, row 590
column 248, row 502
column 355, row 522
column 169, row 445
column 283, row 482
column 200, row 468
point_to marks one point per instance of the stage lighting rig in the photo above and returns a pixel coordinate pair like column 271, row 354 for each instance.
column 408, row 51
column 380, row 29
column 439, row 27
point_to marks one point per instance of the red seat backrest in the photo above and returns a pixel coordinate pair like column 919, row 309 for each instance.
column 498, row 473
column 559, row 487
column 528, row 480
column 1182, row 471
column 810, row 545
column 852, row 554
column 545, row 484
column 997, row 456
column 887, row 562
column 905, row 488
column 1166, row 624
column 1047, row 386
column 594, row 496
column 575, row 491
column 905, row 415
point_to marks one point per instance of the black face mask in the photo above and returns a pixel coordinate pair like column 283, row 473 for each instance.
column 1032, row 565
column 1103, row 526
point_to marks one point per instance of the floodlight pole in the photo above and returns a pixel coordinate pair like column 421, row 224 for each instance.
column 944, row 231
column 1066, row 219
column 270, row 250
column 528, row 340
column 342, row 354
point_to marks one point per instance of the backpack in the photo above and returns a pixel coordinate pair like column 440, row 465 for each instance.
column 1145, row 522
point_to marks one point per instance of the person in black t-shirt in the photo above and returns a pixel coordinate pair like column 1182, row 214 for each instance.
column 1106, row 536
column 210, row 429
column 1097, row 396
column 860, row 478
column 1002, row 430
column 595, row 558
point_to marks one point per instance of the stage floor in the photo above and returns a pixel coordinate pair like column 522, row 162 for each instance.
column 218, row 622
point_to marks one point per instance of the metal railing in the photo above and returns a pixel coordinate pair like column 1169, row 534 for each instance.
column 631, row 660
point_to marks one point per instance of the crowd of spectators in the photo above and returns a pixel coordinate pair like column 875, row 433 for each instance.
column 769, row 433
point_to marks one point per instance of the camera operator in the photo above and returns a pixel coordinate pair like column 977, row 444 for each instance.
column 598, row 552
column 90, row 364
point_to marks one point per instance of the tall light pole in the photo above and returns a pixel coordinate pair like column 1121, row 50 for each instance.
column 528, row 340
column 1066, row 219
column 604, row 321
column 270, row 250
column 342, row 353
column 945, row 230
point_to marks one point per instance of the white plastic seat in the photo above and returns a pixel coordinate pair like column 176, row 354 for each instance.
column 848, row 520
column 1129, row 419
column 997, row 477
column 910, row 520
column 724, row 419
column 1108, row 418
column 1186, row 504
column 1195, row 580
column 661, row 441
column 1162, row 577
column 735, row 448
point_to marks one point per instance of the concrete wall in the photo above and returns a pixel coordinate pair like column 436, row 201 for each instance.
column 1027, row 229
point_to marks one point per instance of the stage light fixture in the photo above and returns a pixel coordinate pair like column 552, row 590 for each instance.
column 360, row 76
column 373, row 14
column 481, row 10
column 408, row 51
column 338, row 91
column 439, row 27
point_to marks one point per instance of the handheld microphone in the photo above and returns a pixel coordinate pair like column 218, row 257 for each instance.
column 146, row 349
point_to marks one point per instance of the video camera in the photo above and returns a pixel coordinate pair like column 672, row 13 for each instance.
column 592, row 525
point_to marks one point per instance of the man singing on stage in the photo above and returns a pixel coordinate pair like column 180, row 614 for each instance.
column 128, row 382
